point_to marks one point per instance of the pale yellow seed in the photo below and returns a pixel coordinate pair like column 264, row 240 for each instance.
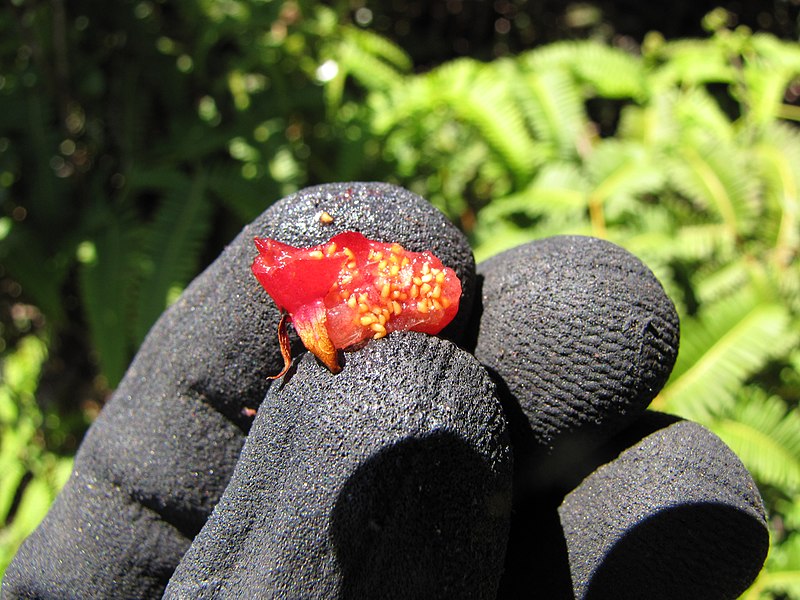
column 436, row 304
column 404, row 262
column 426, row 267
column 351, row 264
column 325, row 218
column 349, row 253
column 440, row 277
column 376, row 310
column 317, row 254
column 414, row 291
column 367, row 319
column 437, row 291
column 378, row 335
column 362, row 307
column 394, row 270
column 427, row 278
column 445, row 302
column 378, row 328
column 330, row 248
column 426, row 287
column 396, row 294
column 396, row 249
column 422, row 306
column 386, row 290
column 417, row 281
column 352, row 302
column 396, row 308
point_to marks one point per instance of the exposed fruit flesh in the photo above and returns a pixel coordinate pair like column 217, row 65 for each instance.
column 350, row 289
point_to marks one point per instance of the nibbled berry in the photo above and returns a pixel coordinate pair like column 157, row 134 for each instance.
column 380, row 211
column 350, row 289
column 580, row 332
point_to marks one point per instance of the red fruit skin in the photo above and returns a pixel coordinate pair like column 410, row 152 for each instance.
column 290, row 276
column 350, row 289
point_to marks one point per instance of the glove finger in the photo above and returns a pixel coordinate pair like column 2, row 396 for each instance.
column 675, row 516
column 580, row 333
column 537, row 555
column 137, row 538
column 388, row 480
column 170, row 436
column 579, row 337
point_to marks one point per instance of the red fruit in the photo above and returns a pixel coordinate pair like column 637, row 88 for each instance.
column 350, row 289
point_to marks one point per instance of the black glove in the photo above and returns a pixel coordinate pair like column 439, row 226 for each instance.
column 580, row 336
column 393, row 478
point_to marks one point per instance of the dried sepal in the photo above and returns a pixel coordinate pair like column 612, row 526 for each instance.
column 285, row 346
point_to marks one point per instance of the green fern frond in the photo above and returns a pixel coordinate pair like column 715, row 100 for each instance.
column 609, row 72
column 765, row 88
column 771, row 584
column 171, row 250
column 421, row 95
column 30, row 263
column 558, row 189
column 702, row 242
column 652, row 124
column 691, row 63
column 718, row 179
column 622, row 169
column 491, row 240
column 765, row 434
column 504, row 235
column 778, row 159
column 487, row 105
column 767, row 74
column 107, row 279
column 379, row 47
column 780, row 577
column 620, row 172
column 245, row 197
column 471, row 93
column 558, row 56
column 785, row 54
column 716, row 280
column 696, row 110
column 720, row 348
column 371, row 70
column 373, row 61
column 553, row 106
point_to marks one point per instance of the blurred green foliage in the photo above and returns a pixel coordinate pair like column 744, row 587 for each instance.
column 32, row 474
column 135, row 142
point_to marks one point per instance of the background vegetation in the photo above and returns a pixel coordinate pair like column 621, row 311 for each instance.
column 135, row 142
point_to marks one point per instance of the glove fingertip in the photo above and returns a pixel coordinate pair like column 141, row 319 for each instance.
column 675, row 516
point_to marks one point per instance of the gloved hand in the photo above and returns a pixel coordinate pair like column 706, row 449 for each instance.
column 514, row 458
